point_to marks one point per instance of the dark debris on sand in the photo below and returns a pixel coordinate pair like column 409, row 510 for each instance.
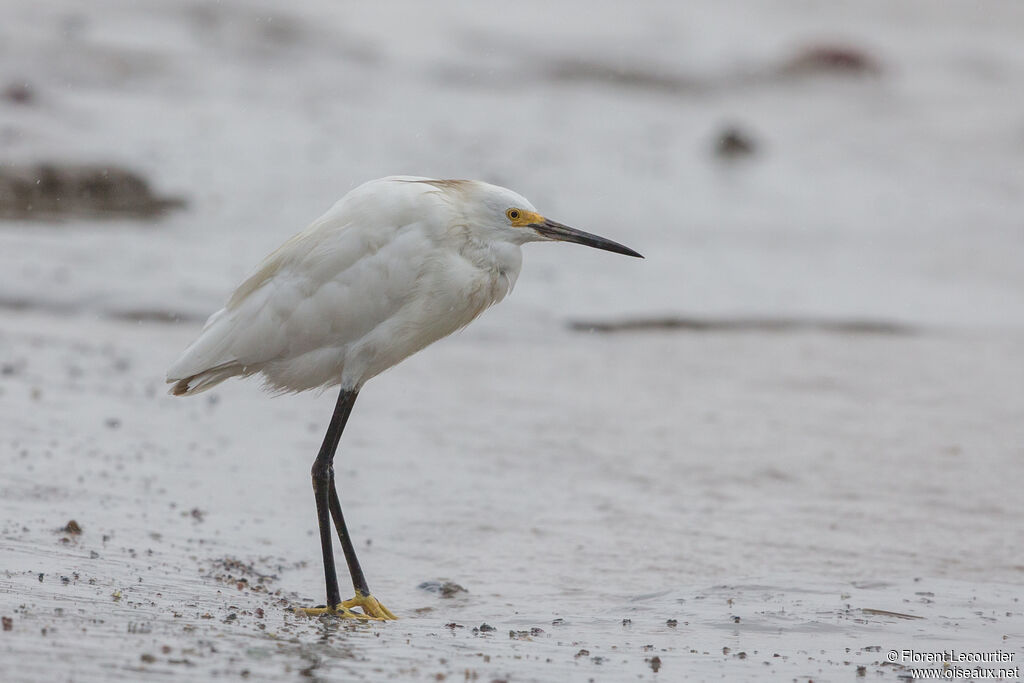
column 446, row 589
column 733, row 142
column 55, row 191
column 751, row 324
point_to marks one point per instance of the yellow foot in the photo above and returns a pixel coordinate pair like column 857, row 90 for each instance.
column 372, row 610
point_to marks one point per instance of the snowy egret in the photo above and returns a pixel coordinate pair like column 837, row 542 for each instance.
column 394, row 266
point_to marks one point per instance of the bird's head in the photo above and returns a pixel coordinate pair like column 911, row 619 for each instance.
column 511, row 216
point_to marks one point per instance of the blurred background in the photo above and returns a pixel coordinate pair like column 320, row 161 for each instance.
column 771, row 159
column 799, row 418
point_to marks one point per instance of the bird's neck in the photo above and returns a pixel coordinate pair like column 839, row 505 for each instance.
column 496, row 257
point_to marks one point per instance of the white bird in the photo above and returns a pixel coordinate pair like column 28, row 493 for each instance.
column 395, row 265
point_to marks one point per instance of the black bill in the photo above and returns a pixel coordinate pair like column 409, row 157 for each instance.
column 564, row 233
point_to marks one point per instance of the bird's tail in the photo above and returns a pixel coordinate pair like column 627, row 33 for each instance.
column 204, row 380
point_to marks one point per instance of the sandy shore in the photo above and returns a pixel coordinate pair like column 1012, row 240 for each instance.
column 816, row 459
column 791, row 505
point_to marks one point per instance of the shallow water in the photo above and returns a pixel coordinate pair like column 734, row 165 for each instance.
column 797, row 487
column 790, row 528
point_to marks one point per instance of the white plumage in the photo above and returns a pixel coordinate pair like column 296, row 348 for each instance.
column 395, row 265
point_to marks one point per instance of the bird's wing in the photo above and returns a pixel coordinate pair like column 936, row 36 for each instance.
column 325, row 288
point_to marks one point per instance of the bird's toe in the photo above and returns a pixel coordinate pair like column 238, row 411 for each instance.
column 371, row 608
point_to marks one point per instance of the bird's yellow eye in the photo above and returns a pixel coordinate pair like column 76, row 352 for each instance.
column 521, row 218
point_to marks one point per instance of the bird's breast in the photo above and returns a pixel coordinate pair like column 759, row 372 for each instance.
column 458, row 287
column 451, row 289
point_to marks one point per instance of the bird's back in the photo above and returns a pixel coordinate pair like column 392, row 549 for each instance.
column 372, row 281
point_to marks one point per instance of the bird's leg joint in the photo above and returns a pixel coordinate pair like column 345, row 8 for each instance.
column 323, row 471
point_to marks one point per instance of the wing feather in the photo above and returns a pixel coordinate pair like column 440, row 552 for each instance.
column 321, row 291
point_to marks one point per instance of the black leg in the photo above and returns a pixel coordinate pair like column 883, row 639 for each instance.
column 354, row 570
column 327, row 499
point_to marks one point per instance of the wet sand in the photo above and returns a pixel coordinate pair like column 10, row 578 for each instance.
column 786, row 443
column 795, row 517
